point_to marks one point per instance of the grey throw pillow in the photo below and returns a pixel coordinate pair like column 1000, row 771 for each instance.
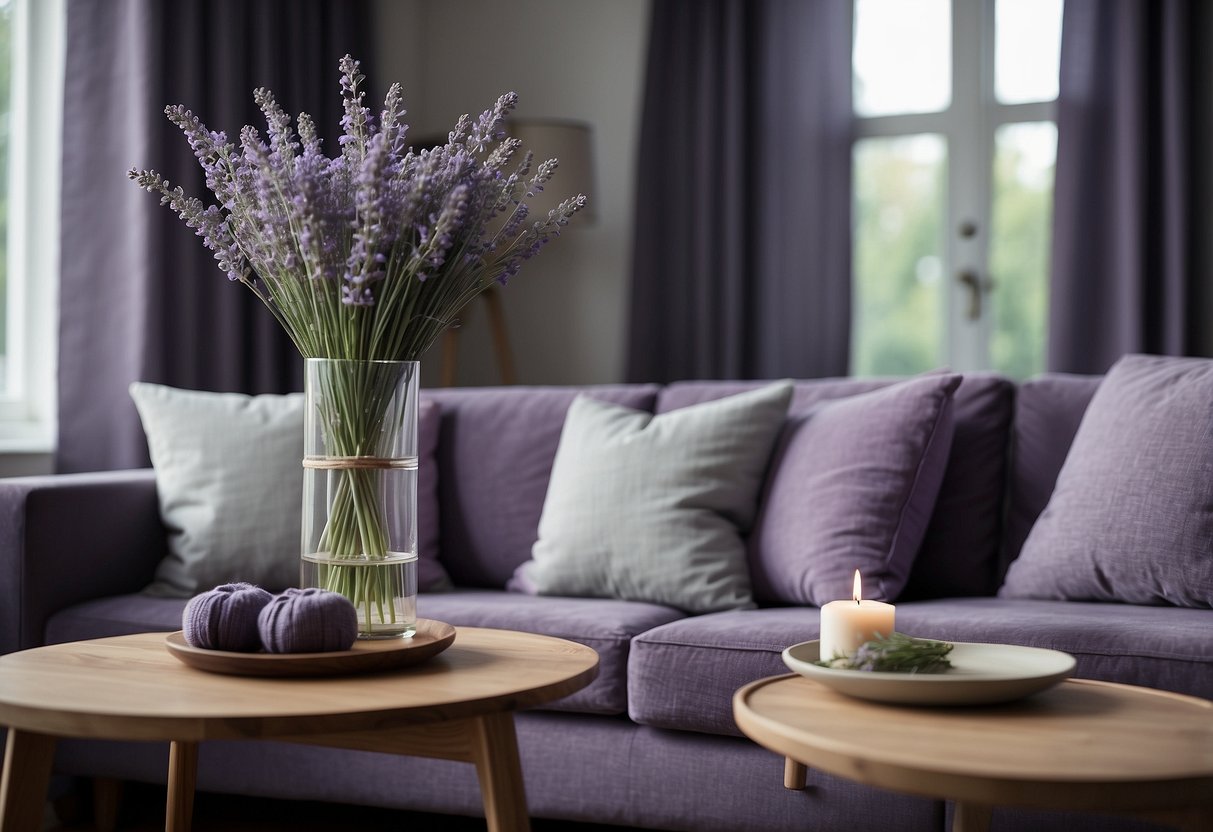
column 1131, row 516
column 230, row 486
column 653, row 508
column 229, row 477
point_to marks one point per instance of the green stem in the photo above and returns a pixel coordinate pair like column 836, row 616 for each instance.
column 356, row 407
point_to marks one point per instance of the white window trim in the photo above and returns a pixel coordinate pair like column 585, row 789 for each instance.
column 28, row 413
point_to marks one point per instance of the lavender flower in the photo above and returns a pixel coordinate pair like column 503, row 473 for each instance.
column 372, row 253
column 488, row 127
column 356, row 120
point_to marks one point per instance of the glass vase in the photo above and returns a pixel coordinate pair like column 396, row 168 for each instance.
column 360, row 489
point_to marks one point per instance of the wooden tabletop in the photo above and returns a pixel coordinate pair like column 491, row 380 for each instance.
column 131, row 687
column 1080, row 745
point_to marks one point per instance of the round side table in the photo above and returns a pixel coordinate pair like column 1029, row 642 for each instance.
column 1082, row 745
column 458, row 705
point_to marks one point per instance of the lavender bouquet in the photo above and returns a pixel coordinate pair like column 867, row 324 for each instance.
column 365, row 256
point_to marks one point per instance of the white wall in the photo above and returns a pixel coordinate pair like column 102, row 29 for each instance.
column 566, row 311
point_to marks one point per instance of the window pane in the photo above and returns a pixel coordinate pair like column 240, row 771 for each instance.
column 1027, row 46
column 897, row 323
column 1019, row 245
column 6, row 74
column 902, row 58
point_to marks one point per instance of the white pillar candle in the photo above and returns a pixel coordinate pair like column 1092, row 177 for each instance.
column 845, row 625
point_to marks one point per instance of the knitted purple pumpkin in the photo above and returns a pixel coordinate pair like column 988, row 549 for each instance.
column 308, row 621
column 225, row 618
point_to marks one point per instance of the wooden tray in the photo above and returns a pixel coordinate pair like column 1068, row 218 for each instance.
column 366, row 656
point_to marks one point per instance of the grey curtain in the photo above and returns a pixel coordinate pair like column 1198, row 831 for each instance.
column 1125, row 249
column 140, row 299
column 742, row 243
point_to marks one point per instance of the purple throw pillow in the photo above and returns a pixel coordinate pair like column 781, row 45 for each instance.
column 1131, row 516
column 959, row 555
column 852, row 485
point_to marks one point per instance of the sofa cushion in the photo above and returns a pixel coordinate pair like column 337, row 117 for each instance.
column 117, row 615
column 683, row 675
column 1048, row 410
column 1131, row 516
column 1157, row 647
column 605, row 624
column 959, row 553
column 229, row 482
column 494, row 460
column 653, row 508
column 852, row 486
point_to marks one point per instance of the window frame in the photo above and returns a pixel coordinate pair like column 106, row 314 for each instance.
column 968, row 127
column 28, row 407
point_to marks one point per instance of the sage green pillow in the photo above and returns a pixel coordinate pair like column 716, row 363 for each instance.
column 654, row 508
column 229, row 482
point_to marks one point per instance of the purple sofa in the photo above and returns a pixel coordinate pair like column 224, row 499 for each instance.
column 651, row 742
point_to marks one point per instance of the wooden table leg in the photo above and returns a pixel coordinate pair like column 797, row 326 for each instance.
column 182, row 773
column 27, row 773
column 494, row 747
column 1198, row 819
column 971, row 817
column 107, row 801
column 795, row 775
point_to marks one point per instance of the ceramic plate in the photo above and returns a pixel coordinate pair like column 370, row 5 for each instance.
column 367, row 656
column 981, row 674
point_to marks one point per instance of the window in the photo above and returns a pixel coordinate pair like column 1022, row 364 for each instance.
column 31, row 92
column 953, row 183
column 6, row 97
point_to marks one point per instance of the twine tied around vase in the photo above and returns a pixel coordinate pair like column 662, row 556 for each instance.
column 336, row 463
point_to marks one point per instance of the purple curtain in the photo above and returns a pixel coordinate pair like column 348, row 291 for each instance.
column 742, row 244
column 1124, row 242
column 140, row 298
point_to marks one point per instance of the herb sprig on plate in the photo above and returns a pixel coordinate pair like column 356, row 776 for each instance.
column 896, row 653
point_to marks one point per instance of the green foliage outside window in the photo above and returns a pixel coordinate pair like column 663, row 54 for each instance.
column 898, row 312
column 1019, row 249
column 899, row 307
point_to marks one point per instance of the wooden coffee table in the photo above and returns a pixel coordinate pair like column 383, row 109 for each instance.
column 1083, row 745
column 457, row 706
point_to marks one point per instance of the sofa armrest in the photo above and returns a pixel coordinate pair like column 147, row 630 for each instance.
column 69, row 538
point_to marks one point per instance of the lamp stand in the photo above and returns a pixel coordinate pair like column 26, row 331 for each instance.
column 501, row 342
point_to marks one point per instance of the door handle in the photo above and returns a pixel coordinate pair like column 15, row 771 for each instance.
column 977, row 287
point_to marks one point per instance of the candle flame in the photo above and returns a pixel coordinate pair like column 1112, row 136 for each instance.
column 857, row 593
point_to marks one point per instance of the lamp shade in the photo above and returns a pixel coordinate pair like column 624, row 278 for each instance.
column 569, row 142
